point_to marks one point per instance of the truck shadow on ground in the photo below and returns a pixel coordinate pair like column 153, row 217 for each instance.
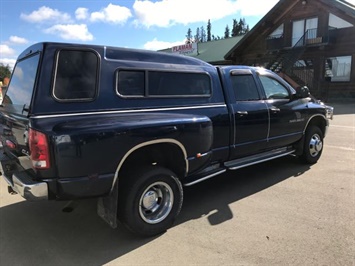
column 40, row 233
column 211, row 198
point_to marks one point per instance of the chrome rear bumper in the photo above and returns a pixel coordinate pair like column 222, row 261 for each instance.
column 21, row 181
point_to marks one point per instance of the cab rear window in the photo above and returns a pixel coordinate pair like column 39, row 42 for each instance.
column 76, row 75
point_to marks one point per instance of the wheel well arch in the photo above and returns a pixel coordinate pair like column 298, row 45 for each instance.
column 168, row 153
column 316, row 120
column 319, row 121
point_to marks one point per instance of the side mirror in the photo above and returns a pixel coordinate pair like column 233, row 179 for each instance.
column 302, row 92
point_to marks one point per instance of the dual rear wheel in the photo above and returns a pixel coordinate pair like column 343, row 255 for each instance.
column 149, row 200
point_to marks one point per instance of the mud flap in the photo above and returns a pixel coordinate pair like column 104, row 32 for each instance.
column 299, row 146
column 107, row 207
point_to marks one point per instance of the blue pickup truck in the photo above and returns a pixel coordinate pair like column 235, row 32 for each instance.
column 133, row 127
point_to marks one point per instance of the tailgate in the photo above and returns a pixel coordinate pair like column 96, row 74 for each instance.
column 14, row 137
column 15, row 108
column 16, row 165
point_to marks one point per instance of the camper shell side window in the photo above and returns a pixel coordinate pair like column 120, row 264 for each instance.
column 76, row 75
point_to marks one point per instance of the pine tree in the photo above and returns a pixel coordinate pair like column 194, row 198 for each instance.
column 189, row 36
column 239, row 28
column 226, row 32
column 243, row 27
column 197, row 36
column 235, row 29
column 209, row 31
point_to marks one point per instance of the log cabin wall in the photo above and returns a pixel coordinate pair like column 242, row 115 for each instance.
column 315, row 46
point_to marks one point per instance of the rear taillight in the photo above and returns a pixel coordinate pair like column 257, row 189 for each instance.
column 39, row 149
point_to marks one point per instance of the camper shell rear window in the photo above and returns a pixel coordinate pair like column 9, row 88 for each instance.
column 22, row 83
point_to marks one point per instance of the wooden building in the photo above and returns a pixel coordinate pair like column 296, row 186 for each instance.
column 311, row 42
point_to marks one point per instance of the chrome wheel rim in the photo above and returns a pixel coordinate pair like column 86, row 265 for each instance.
column 156, row 202
column 315, row 145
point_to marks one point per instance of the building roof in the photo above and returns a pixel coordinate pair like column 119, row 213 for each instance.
column 213, row 52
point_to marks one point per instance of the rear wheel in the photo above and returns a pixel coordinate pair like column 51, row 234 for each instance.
column 313, row 145
column 149, row 200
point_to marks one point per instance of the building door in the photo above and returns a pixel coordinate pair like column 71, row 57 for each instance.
column 297, row 31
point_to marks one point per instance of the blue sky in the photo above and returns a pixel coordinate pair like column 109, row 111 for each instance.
column 143, row 24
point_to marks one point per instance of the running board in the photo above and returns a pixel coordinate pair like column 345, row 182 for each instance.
column 218, row 169
column 206, row 174
column 259, row 158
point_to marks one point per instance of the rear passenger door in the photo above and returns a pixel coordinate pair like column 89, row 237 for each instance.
column 251, row 118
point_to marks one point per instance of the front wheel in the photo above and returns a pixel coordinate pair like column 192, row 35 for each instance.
column 149, row 200
column 313, row 145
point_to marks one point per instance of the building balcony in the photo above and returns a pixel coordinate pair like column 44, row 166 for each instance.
column 310, row 38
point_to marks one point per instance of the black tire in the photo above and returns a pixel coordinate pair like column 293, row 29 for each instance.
column 313, row 145
column 149, row 200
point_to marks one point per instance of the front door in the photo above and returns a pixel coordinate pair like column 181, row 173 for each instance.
column 286, row 122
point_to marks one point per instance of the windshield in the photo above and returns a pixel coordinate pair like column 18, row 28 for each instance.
column 22, row 82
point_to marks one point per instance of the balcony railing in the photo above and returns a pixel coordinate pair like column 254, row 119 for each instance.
column 310, row 38
column 275, row 42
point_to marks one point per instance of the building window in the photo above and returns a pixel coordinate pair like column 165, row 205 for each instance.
column 278, row 33
column 338, row 23
column 338, row 68
column 303, row 30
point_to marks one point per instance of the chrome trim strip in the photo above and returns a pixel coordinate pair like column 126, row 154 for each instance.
column 233, row 124
column 309, row 120
column 132, row 111
column 204, row 178
column 147, row 144
column 269, row 123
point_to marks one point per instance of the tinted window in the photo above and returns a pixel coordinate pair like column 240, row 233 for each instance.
column 76, row 75
column 160, row 84
column 179, row 84
column 244, row 88
column 22, row 82
column 273, row 88
column 131, row 83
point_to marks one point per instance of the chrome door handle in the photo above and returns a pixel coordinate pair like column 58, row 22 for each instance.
column 241, row 113
column 275, row 110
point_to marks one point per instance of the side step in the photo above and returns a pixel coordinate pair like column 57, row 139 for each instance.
column 259, row 158
column 207, row 173
column 218, row 169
